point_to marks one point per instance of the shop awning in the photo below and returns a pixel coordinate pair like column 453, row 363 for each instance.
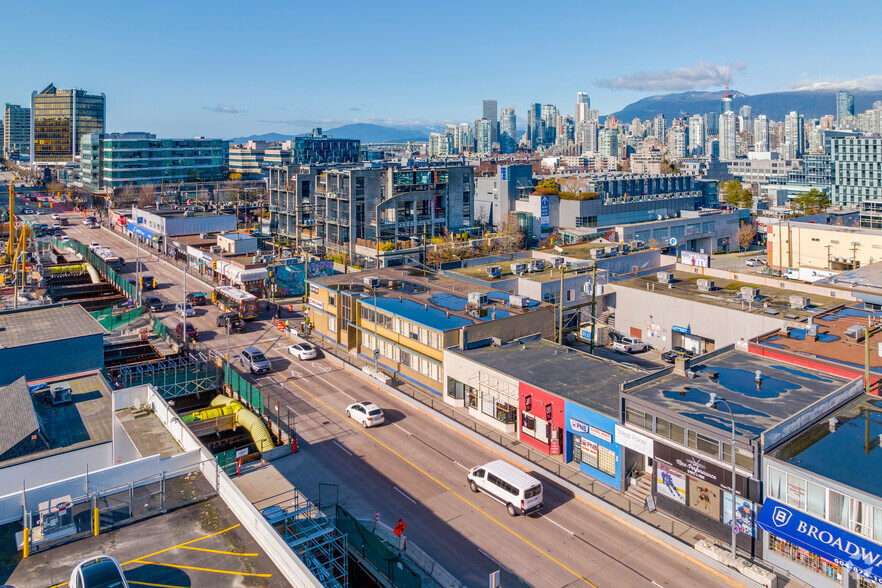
column 821, row 538
column 141, row 231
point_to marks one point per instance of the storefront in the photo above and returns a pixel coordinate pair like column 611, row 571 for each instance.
column 145, row 236
column 541, row 419
column 590, row 442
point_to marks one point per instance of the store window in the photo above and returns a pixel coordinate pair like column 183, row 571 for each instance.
column 806, row 558
column 594, row 455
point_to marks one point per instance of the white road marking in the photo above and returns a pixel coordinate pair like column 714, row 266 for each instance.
column 403, row 494
column 341, row 447
column 462, row 466
column 292, row 410
column 657, row 584
column 488, row 556
column 403, row 429
column 328, row 383
column 559, row 525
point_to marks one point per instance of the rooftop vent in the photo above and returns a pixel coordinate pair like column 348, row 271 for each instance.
column 557, row 261
column 855, row 333
column 799, row 302
column 60, row 394
column 712, row 374
column 517, row 268
column 705, row 285
column 372, row 281
column 749, row 293
column 665, row 277
column 833, row 423
column 494, row 271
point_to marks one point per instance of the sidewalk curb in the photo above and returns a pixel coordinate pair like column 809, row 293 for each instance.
column 632, row 522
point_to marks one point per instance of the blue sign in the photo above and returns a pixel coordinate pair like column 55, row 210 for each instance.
column 544, row 213
column 845, row 549
column 504, row 172
column 684, row 330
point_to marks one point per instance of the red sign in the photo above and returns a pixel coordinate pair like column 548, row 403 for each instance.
column 399, row 528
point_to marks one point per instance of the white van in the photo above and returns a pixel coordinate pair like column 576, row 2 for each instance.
column 518, row 491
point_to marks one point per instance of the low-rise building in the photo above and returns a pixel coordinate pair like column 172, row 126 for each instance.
column 826, row 247
column 704, row 231
column 237, row 243
column 159, row 225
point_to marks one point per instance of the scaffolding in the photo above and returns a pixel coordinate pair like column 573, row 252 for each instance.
column 173, row 376
column 315, row 540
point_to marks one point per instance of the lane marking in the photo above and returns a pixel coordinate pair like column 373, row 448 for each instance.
column 448, row 488
column 488, row 556
column 402, row 428
column 181, row 544
column 183, row 567
column 462, row 466
column 403, row 494
column 341, row 447
column 559, row 525
column 220, row 551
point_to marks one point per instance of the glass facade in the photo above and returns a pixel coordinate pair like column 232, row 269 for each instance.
column 60, row 119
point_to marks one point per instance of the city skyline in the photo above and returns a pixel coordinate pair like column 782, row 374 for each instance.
column 206, row 72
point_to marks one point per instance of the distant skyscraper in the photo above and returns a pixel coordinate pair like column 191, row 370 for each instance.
column 549, row 117
column 658, row 128
column 16, row 130
column 727, row 136
column 696, row 134
column 534, row 125
column 744, row 115
column 490, row 114
column 59, row 120
column 712, row 124
column 677, row 142
column 586, row 135
column 565, row 131
column 609, row 142
column 725, row 105
column 508, row 142
column 583, row 106
column 761, row 133
column 794, row 135
column 844, row 106
column 483, row 136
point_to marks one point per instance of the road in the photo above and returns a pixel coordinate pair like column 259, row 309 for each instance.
column 414, row 468
column 737, row 262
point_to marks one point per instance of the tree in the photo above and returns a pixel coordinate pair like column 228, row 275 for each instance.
column 734, row 194
column 510, row 236
column 811, row 202
column 547, row 188
column 668, row 168
column 147, row 196
column 127, row 196
column 652, row 243
column 745, row 235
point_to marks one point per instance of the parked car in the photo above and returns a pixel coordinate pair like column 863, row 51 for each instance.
column 672, row 355
column 237, row 325
column 629, row 345
column 64, row 239
column 254, row 359
column 56, row 216
column 192, row 333
column 101, row 571
column 303, row 351
column 64, row 222
column 755, row 262
column 197, row 298
column 152, row 303
column 366, row 413
column 184, row 309
column 28, row 211
column 520, row 492
column 56, row 226
column 682, row 351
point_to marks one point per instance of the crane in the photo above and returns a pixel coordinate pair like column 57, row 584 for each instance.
column 10, row 244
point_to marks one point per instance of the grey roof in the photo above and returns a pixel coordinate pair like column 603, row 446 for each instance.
column 39, row 325
column 18, row 419
column 571, row 374
column 785, row 390
column 865, row 278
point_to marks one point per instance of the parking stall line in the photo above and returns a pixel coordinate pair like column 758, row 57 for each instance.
column 220, row 551
column 212, row 570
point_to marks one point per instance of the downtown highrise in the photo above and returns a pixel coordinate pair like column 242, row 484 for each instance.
column 508, row 142
column 490, row 113
column 59, row 121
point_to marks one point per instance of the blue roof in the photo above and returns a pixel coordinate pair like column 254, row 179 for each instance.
column 430, row 317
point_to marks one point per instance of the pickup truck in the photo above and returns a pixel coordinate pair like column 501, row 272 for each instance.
column 629, row 345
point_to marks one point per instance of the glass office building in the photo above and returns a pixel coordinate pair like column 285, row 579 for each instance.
column 110, row 161
column 60, row 119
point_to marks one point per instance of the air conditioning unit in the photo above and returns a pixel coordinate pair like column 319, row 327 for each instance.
column 749, row 293
column 60, row 394
column 518, row 301
column 203, row 235
column 855, row 333
column 477, row 298
column 494, row 271
column 665, row 277
column 372, row 282
column 216, row 249
column 517, row 268
column 800, row 302
column 705, row 285
column 538, row 265
column 611, row 249
column 557, row 261
column 637, row 244
column 596, row 253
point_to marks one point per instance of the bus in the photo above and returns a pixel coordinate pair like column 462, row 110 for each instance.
column 231, row 299
column 109, row 257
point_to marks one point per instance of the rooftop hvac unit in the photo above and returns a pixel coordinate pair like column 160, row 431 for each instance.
column 596, row 253
column 477, row 298
column 517, row 268
column 538, row 265
column 557, row 261
column 800, row 302
column 611, row 249
column 60, row 394
column 855, row 333
column 705, row 285
column 665, row 277
column 372, row 282
column 637, row 244
column 215, row 249
column 203, row 235
column 518, row 301
column 494, row 271
column 749, row 293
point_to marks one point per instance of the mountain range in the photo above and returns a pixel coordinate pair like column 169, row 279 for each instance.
column 775, row 105
column 364, row 132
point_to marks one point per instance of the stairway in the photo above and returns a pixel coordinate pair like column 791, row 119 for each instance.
column 639, row 491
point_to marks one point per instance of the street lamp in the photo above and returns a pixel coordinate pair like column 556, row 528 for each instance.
column 712, row 403
column 227, row 354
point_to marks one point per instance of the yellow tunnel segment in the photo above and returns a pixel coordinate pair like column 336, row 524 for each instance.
column 224, row 405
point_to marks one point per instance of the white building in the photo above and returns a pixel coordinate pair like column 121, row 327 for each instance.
column 761, row 133
column 794, row 135
column 677, row 143
column 728, row 148
column 696, row 134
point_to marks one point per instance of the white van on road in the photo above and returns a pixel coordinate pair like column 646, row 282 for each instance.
column 521, row 493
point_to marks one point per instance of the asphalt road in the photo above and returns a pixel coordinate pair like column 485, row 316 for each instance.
column 414, row 468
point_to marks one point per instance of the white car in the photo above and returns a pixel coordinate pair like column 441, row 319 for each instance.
column 64, row 239
column 184, row 309
column 94, row 245
column 366, row 413
column 303, row 351
column 629, row 345
column 56, row 216
column 28, row 211
column 755, row 262
column 56, row 226
column 101, row 571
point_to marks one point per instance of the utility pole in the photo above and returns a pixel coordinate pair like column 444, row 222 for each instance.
column 854, row 247
column 593, row 305
column 560, row 308
column 828, row 255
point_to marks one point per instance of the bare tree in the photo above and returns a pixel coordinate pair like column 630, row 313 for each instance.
column 652, row 243
column 127, row 196
column 511, row 237
column 147, row 196
column 745, row 235
column 572, row 185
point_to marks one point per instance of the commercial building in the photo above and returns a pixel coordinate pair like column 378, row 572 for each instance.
column 489, row 113
column 484, row 136
column 844, row 107
column 495, row 196
column 682, row 419
column 410, row 318
column 794, row 135
column 60, row 119
column 249, row 159
column 864, row 284
column 826, row 247
column 727, row 136
column 508, row 140
column 856, row 162
column 318, row 148
column 704, row 231
column 113, row 160
column 583, row 107
column 557, row 400
column 16, row 131
column 158, row 226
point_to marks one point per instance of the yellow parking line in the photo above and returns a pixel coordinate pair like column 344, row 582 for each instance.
column 152, row 584
column 221, row 552
column 137, row 559
column 443, row 485
column 182, row 567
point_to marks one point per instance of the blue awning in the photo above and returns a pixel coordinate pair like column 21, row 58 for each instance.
column 845, row 549
column 141, row 231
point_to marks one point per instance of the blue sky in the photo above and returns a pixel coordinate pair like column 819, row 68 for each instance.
column 225, row 69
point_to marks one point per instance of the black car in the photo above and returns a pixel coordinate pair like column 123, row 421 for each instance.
column 237, row 325
column 670, row 356
column 682, row 351
column 152, row 303
column 197, row 298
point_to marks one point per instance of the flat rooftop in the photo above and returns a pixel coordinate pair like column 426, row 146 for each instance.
column 182, row 212
column 547, row 275
column 866, row 279
column 436, row 301
column 147, row 433
column 831, row 344
column 837, row 229
column 43, row 324
column 727, row 294
column 574, row 375
column 843, row 455
column 784, row 391
column 84, row 422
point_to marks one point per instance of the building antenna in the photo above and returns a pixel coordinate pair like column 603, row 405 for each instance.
column 728, row 79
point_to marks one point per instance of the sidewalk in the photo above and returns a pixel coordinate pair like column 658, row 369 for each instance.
column 673, row 528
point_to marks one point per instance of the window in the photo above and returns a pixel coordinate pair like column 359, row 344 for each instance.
column 529, row 422
column 838, row 508
column 703, row 444
column 795, row 492
column 816, row 500
column 671, row 431
column 775, row 484
column 638, row 418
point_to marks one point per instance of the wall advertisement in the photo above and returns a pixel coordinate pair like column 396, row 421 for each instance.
column 670, row 483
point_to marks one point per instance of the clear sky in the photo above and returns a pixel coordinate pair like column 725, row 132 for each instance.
column 224, row 69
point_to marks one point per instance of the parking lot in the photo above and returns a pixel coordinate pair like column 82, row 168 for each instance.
column 200, row 545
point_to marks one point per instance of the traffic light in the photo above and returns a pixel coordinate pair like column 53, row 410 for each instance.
column 214, row 265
